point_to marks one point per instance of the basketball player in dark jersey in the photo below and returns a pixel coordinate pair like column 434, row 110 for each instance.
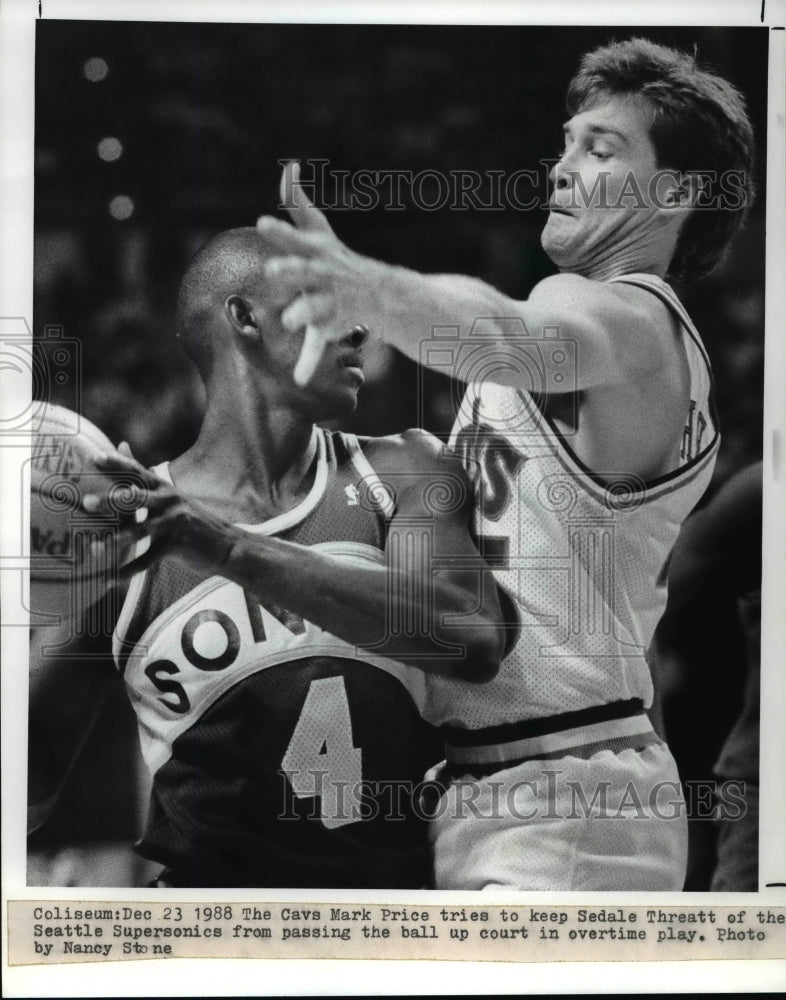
column 282, row 722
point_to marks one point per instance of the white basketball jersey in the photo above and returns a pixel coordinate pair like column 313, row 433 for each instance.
column 583, row 560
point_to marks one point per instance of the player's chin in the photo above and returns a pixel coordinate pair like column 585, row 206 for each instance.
column 338, row 401
column 348, row 401
column 562, row 252
column 346, row 387
column 555, row 242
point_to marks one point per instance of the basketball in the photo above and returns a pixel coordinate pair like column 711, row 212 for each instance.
column 63, row 471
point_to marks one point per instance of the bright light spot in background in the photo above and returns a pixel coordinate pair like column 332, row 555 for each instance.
column 110, row 149
column 121, row 207
column 95, row 69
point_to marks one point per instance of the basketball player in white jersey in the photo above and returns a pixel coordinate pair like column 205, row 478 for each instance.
column 584, row 474
column 261, row 636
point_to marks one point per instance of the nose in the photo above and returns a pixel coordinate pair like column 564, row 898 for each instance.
column 358, row 335
column 560, row 175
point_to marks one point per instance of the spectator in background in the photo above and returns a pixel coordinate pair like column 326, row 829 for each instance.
column 707, row 652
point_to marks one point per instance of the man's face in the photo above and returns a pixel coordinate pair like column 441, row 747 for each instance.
column 332, row 391
column 337, row 380
column 601, row 204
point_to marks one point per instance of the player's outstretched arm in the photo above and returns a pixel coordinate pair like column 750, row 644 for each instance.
column 431, row 602
column 330, row 289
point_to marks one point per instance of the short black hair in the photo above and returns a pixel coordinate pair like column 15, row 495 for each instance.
column 229, row 263
column 700, row 123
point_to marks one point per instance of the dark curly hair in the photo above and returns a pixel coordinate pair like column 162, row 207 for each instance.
column 700, row 123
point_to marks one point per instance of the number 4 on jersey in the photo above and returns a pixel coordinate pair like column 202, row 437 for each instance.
column 321, row 759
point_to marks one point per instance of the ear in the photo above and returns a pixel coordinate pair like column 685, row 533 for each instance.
column 681, row 192
column 239, row 313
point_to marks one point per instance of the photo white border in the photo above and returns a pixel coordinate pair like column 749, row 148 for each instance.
column 259, row 977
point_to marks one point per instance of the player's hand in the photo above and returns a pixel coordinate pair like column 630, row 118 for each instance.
column 153, row 509
column 328, row 289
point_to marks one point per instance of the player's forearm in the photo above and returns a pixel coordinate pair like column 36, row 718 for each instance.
column 396, row 614
column 413, row 308
column 415, row 312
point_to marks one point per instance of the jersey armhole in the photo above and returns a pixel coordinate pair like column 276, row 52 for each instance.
column 376, row 490
column 661, row 290
column 135, row 588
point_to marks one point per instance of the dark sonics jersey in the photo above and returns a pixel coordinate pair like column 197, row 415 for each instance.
column 281, row 755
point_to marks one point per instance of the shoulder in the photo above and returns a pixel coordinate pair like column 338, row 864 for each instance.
column 415, row 461
column 413, row 450
column 573, row 293
column 410, row 445
column 632, row 322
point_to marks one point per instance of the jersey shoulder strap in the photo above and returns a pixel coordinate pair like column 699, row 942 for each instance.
column 667, row 295
column 702, row 435
column 375, row 492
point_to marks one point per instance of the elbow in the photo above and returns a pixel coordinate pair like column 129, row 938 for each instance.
column 480, row 670
column 477, row 663
column 476, row 633
column 483, row 649
column 487, row 657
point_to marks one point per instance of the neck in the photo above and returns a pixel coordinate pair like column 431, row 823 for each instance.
column 622, row 263
column 253, row 453
column 635, row 245
column 650, row 255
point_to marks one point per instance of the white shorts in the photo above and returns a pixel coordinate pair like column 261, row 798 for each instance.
column 615, row 822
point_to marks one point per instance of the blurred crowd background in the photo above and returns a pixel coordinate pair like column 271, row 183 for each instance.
column 151, row 137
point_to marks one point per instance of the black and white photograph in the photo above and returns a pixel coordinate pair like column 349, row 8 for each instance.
column 398, row 461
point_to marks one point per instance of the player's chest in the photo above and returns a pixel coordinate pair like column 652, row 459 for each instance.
column 210, row 639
